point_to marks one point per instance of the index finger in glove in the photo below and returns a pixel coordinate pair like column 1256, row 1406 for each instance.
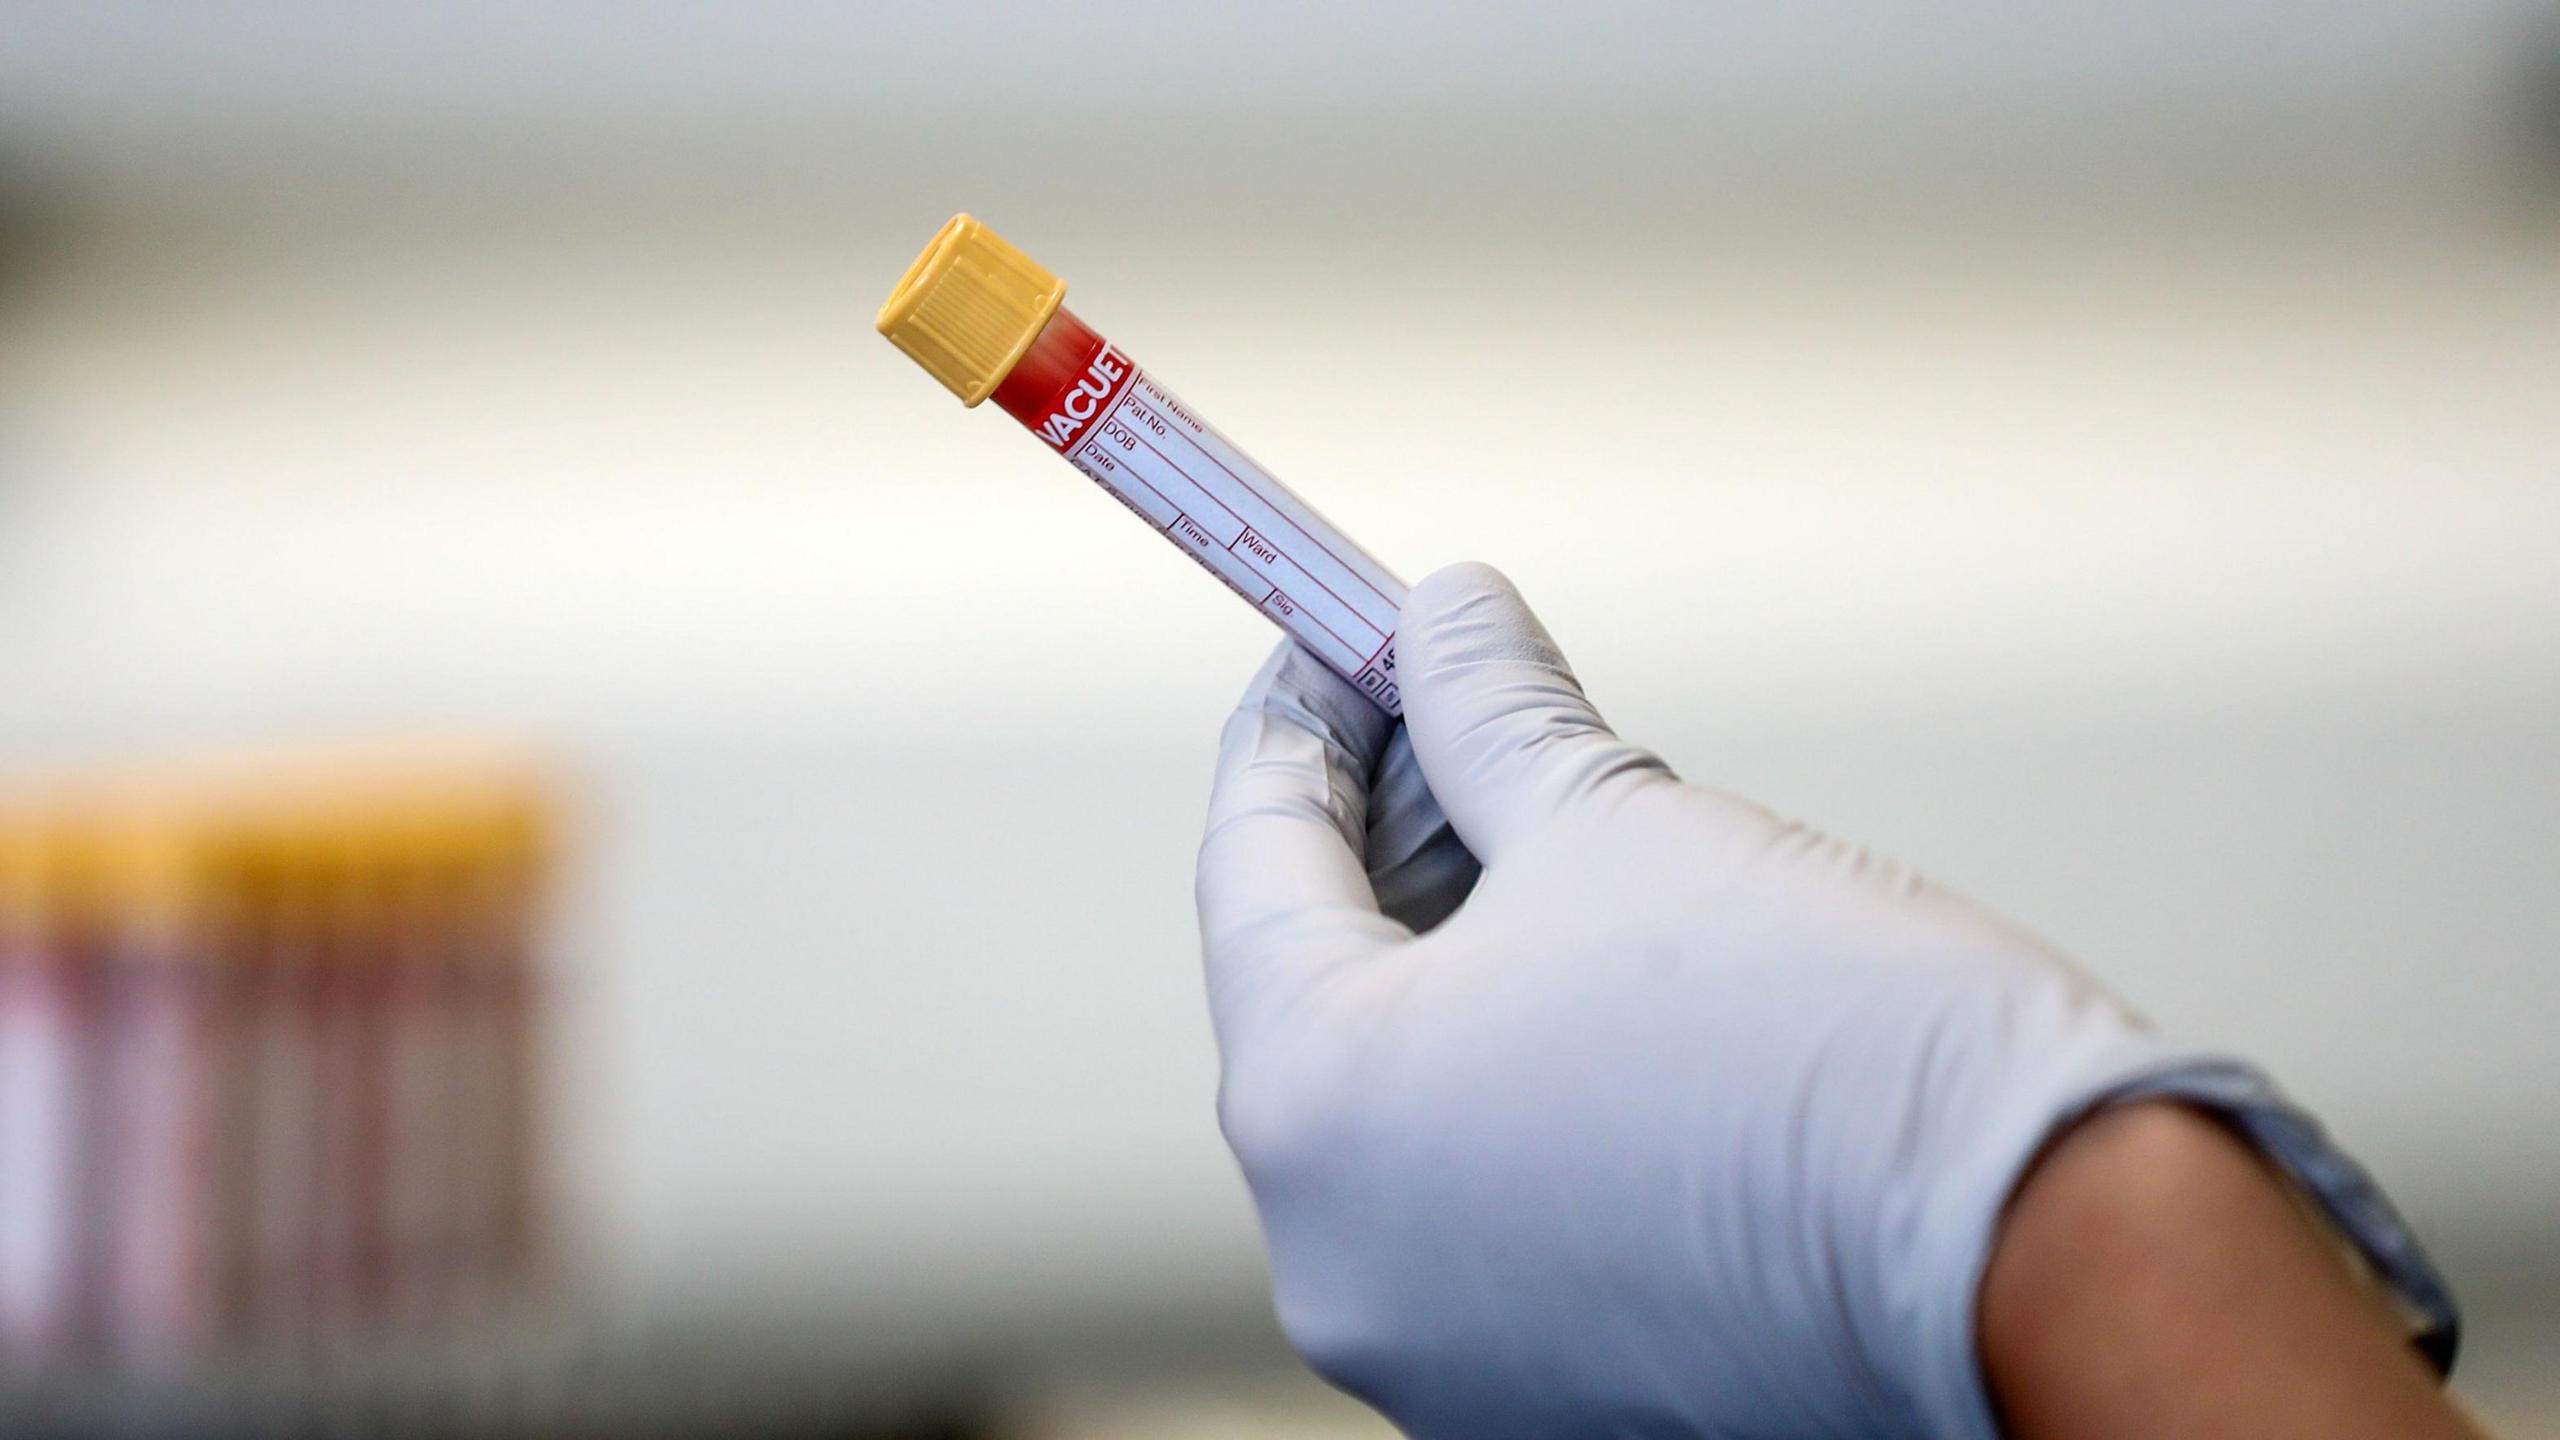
column 1283, row 891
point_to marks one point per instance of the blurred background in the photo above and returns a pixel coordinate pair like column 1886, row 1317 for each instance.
column 2109, row 456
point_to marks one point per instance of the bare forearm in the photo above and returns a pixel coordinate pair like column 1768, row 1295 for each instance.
column 2152, row 1278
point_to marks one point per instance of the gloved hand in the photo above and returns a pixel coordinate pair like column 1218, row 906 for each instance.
column 1683, row 1120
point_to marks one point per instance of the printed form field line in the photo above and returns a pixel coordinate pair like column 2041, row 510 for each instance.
column 1109, row 470
column 1129, row 399
column 1140, row 436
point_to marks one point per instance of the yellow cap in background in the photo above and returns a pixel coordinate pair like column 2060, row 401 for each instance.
column 28, row 860
column 177, row 849
column 139, row 871
column 969, row 307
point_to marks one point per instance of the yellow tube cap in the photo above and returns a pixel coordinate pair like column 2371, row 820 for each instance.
column 969, row 307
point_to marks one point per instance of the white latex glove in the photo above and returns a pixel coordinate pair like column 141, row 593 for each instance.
column 1685, row 1121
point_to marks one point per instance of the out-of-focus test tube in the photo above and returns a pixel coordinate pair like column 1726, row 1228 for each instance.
column 988, row 321
column 516, row 870
column 165, row 1031
column 44, row 1137
column 420, row 1037
column 266, row 1055
column 278, row 942
column 349, row 1238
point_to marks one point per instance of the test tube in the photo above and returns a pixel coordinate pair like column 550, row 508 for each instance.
column 987, row 321
column 170, row 1078
column 42, row 1131
column 285, row 1016
column 421, row 1036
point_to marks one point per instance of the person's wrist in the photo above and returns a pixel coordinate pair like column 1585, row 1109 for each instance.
column 2152, row 1276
